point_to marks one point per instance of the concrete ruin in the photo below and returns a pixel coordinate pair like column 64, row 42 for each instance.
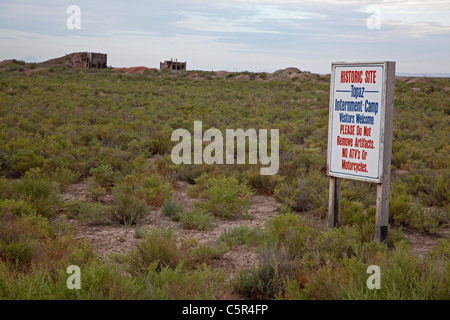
column 172, row 65
column 80, row 60
column 95, row 60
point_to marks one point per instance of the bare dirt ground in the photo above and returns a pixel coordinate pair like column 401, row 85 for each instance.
column 112, row 239
column 421, row 243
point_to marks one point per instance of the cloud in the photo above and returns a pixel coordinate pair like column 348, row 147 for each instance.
column 233, row 34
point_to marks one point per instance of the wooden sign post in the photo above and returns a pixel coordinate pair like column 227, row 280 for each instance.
column 360, row 134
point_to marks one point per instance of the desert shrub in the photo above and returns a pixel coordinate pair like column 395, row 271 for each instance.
column 289, row 233
column 42, row 194
column 190, row 173
column 352, row 213
column 442, row 249
column 336, row 244
column 258, row 283
column 172, row 209
column 400, row 205
column 160, row 142
column 243, row 235
column 205, row 253
column 196, row 219
column 262, row 184
column 104, row 175
column 439, row 194
column 158, row 246
column 64, row 176
column 155, row 190
column 17, row 207
column 18, row 254
column 303, row 195
column 361, row 192
column 404, row 277
column 94, row 191
column 60, row 226
column 266, row 280
column 5, row 188
column 203, row 182
column 128, row 208
column 405, row 212
column 227, row 197
column 181, row 284
column 28, row 243
column 94, row 213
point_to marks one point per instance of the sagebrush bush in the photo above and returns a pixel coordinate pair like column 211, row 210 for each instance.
column 180, row 284
column 303, row 195
column 94, row 213
column 227, row 198
column 243, row 235
column 172, row 209
column 42, row 194
column 155, row 190
column 205, row 253
column 128, row 208
column 158, row 246
column 104, row 175
column 17, row 207
column 94, row 191
column 196, row 219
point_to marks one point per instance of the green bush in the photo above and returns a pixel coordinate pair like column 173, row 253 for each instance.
column 303, row 195
column 158, row 246
column 196, row 219
column 172, row 209
column 180, row 284
column 17, row 207
column 128, row 208
column 205, row 253
column 243, row 235
column 257, row 284
column 352, row 213
column 155, row 190
column 94, row 191
column 104, row 175
column 263, row 184
column 227, row 198
column 94, row 213
column 40, row 193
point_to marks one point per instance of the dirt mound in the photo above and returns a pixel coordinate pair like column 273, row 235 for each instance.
column 242, row 77
column 288, row 74
column 5, row 62
column 222, row 74
column 135, row 70
column 417, row 80
column 69, row 60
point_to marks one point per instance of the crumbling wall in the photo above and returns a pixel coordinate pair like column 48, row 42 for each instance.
column 172, row 65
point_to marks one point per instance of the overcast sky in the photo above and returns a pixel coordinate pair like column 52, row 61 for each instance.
column 234, row 35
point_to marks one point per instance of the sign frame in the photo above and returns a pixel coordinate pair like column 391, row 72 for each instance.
column 379, row 178
column 384, row 153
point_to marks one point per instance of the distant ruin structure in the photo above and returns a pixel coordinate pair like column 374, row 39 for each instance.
column 94, row 60
column 172, row 65
column 80, row 60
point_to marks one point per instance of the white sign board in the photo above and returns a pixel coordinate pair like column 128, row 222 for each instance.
column 356, row 121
